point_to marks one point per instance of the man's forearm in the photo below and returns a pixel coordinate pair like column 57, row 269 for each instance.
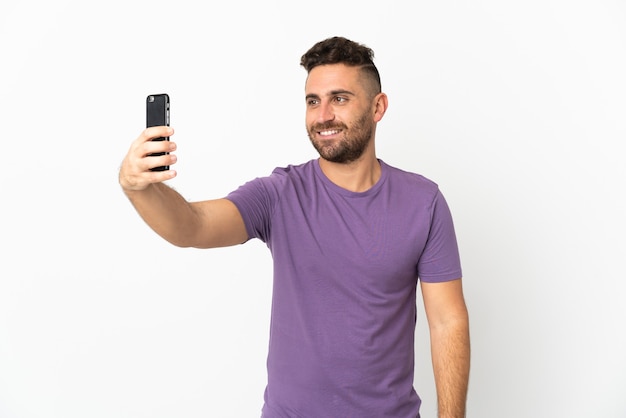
column 450, row 346
column 166, row 212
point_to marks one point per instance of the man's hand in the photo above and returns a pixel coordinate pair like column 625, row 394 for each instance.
column 135, row 174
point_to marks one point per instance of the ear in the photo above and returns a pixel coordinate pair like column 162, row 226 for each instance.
column 380, row 106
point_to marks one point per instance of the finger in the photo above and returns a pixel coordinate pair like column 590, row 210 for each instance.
column 160, row 176
column 154, row 132
column 152, row 147
column 153, row 161
column 137, row 175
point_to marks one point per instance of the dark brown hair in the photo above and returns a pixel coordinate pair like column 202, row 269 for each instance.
column 339, row 50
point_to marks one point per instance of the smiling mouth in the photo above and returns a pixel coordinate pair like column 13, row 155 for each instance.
column 329, row 132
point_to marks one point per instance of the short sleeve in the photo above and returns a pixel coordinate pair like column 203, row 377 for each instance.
column 440, row 259
column 256, row 201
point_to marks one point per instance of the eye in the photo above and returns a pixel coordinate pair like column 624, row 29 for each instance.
column 312, row 102
column 341, row 99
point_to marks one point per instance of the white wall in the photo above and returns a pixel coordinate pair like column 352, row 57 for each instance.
column 517, row 109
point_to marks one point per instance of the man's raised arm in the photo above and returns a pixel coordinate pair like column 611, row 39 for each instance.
column 205, row 224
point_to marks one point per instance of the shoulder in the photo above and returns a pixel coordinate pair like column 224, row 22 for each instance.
column 279, row 179
column 291, row 175
column 410, row 182
column 294, row 170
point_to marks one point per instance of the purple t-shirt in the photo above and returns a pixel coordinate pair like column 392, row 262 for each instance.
column 346, row 266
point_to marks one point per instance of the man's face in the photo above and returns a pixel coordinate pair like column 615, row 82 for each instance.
column 339, row 115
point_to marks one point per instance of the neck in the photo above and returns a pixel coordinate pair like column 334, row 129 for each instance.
column 357, row 176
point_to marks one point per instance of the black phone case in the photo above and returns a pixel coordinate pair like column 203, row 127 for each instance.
column 158, row 114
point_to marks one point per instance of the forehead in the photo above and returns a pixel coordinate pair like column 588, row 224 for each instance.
column 324, row 79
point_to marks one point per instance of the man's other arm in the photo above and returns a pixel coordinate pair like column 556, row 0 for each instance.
column 448, row 322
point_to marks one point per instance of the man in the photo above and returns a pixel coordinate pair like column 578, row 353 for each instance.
column 349, row 236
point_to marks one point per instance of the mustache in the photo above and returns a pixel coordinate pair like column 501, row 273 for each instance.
column 326, row 126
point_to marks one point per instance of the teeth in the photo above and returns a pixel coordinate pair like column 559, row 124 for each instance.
column 326, row 133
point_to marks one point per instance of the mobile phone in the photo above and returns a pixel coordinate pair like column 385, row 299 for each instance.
column 158, row 114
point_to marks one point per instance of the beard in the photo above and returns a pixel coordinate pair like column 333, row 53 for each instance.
column 349, row 148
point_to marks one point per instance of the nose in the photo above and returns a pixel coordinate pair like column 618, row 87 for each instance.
column 325, row 113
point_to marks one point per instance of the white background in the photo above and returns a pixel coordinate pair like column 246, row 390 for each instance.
column 516, row 108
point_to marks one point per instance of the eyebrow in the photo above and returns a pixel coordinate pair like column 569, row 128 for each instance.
column 332, row 93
